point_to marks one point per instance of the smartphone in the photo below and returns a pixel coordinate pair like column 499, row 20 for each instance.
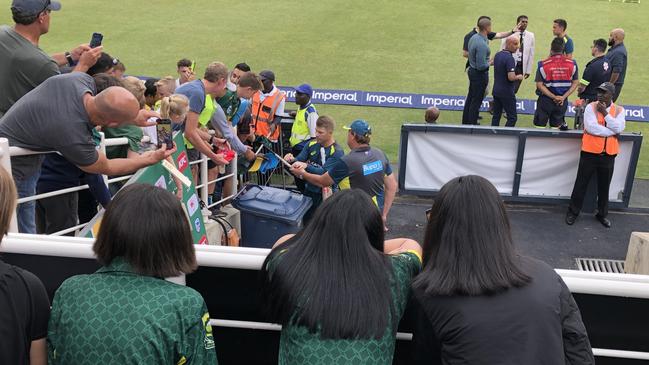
column 96, row 39
column 164, row 133
column 193, row 66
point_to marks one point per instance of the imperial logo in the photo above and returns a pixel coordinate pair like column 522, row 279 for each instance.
column 182, row 161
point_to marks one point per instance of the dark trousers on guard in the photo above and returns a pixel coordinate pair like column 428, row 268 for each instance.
column 478, row 81
column 602, row 166
column 507, row 103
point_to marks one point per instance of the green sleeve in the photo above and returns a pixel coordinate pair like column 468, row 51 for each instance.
column 200, row 342
column 52, row 327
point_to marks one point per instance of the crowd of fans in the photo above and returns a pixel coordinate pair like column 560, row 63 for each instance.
column 337, row 286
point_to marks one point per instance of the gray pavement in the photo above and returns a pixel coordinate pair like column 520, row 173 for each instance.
column 540, row 231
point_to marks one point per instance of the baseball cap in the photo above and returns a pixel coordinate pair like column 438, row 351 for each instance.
column 607, row 86
column 359, row 127
column 304, row 89
column 33, row 7
column 267, row 75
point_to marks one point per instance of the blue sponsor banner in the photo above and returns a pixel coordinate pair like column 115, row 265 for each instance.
column 422, row 101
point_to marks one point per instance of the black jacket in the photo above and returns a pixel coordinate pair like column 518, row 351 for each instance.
column 536, row 324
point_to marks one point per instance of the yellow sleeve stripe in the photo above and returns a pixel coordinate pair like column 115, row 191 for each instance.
column 416, row 254
column 584, row 82
column 182, row 361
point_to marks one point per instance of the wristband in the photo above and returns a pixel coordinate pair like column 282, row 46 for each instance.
column 68, row 57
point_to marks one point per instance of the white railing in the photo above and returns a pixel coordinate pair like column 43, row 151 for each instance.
column 617, row 285
column 7, row 151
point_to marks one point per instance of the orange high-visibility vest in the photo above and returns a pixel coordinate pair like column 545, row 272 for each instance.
column 263, row 113
column 596, row 144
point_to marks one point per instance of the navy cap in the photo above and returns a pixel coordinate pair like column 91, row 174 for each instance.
column 360, row 127
column 33, row 7
column 304, row 89
column 267, row 75
column 607, row 86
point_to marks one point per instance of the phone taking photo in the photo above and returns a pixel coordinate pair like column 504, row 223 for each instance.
column 96, row 39
column 164, row 133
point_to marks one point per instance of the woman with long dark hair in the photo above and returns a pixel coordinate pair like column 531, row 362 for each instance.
column 481, row 303
column 126, row 312
column 337, row 287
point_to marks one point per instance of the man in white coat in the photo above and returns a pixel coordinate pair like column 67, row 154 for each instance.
column 524, row 56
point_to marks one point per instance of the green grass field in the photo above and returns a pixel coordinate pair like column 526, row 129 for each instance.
column 399, row 46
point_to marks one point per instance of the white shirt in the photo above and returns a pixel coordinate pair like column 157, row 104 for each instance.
column 613, row 125
column 528, row 51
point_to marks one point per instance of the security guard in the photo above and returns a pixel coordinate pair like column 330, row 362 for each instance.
column 305, row 119
column 603, row 122
column 266, row 105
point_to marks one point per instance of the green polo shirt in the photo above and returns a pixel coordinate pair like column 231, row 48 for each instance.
column 116, row 316
column 299, row 346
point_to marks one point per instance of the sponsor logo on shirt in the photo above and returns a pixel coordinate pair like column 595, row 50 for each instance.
column 161, row 183
column 203, row 240
column 197, row 224
column 182, row 161
column 372, row 167
column 192, row 205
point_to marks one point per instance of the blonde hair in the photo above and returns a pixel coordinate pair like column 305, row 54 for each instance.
column 168, row 82
column 8, row 201
column 175, row 104
column 136, row 87
column 216, row 71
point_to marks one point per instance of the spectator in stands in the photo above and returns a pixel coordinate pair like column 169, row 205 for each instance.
column 249, row 84
column 235, row 75
column 505, row 77
column 556, row 78
column 58, row 116
column 165, row 87
column 559, row 30
column 338, row 289
column 597, row 72
column 185, row 69
column 151, row 95
column 431, row 116
column 126, row 312
column 64, row 211
column 201, row 94
column 618, row 57
column 268, row 108
column 524, row 55
column 136, row 87
column 24, row 305
column 366, row 168
column 175, row 108
column 480, row 302
column 23, row 65
column 478, row 72
column 104, row 64
column 119, row 70
column 318, row 156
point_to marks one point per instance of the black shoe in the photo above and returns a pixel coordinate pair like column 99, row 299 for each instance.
column 604, row 221
column 570, row 218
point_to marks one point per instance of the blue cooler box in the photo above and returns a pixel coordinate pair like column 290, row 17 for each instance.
column 269, row 213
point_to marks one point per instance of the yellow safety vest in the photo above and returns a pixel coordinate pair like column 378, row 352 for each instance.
column 300, row 130
column 205, row 116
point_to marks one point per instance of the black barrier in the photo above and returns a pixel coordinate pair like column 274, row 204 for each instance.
column 522, row 134
column 612, row 322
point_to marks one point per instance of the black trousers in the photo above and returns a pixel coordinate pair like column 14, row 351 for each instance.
column 618, row 90
column 589, row 164
column 478, row 81
column 508, row 103
column 56, row 213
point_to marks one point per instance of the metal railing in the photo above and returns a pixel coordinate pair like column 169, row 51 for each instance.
column 6, row 152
